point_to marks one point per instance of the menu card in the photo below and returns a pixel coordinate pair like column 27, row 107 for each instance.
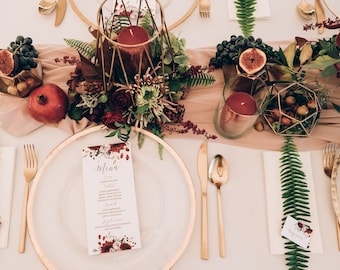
column 110, row 198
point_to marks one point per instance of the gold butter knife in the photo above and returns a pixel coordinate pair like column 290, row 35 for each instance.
column 320, row 15
column 202, row 166
column 61, row 9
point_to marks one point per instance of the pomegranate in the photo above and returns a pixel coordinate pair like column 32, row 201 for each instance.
column 48, row 103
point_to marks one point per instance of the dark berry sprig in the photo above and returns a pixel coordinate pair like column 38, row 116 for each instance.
column 186, row 127
column 329, row 24
column 67, row 60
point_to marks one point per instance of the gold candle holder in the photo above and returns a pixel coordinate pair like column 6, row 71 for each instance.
column 129, row 43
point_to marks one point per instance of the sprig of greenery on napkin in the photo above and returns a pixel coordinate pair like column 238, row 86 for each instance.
column 295, row 196
column 245, row 15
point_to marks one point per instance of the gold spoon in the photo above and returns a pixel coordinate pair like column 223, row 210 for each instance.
column 218, row 175
column 305, row 10
column 46, row 6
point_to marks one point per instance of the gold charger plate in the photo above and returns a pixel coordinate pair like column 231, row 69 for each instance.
column 335, row 186
column 165, row 200
column 88, row 16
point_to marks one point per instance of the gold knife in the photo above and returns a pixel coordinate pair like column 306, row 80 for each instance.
column 320, row 15
column 61, row 9
column 202, row 166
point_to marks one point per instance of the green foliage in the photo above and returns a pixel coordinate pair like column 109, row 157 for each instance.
column 200, row 79
column 115, row 23
column 122, row 131
column 147, row 23
column 325, row 63
column 245, row 14
column 295, row 195
column 329, row 47
column 327, row 53
column 176, row 64
column 86, row 49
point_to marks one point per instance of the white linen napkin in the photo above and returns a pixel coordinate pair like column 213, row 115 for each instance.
column 262, row 10
column 274, row 202
column 7, row 161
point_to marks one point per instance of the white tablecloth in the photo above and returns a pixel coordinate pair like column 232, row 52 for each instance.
column 246, row 235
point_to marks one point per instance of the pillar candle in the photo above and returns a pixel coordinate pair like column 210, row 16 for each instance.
column 131, row 55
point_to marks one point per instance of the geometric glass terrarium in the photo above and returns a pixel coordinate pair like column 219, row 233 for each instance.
column 292, row 109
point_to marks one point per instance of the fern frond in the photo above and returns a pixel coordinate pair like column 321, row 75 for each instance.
column 201, row 79
column 115, row 23
column 84, row 48
column 245, row 14
column 295, row 196
column 146, row 23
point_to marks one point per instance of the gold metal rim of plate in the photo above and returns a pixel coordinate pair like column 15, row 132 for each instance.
column 189, row 183
column 334, row 187
column 171, row 27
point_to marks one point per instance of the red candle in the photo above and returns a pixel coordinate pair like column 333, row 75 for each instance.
column 134, row 55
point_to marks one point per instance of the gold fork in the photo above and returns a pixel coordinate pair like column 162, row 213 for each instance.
column 204, row 8
column 30, row 170
column 328, row 163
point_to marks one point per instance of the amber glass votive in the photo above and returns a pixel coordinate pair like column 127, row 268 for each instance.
column 239, row 106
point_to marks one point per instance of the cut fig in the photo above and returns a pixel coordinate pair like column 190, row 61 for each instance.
column 252, row 60
column 7, row 62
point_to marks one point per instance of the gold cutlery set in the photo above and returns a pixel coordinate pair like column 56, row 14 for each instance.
column 217, row 174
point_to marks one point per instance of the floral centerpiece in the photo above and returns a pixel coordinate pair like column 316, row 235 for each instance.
column 296, row 77
column 110, row 87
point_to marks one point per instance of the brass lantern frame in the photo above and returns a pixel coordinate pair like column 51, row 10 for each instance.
column 108, row 38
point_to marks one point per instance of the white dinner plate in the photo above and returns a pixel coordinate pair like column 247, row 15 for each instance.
column 175, row 11
column 165, row 201
column 335, row 186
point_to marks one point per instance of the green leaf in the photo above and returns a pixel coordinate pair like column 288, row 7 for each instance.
column 329, row 71
column 321, row 62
